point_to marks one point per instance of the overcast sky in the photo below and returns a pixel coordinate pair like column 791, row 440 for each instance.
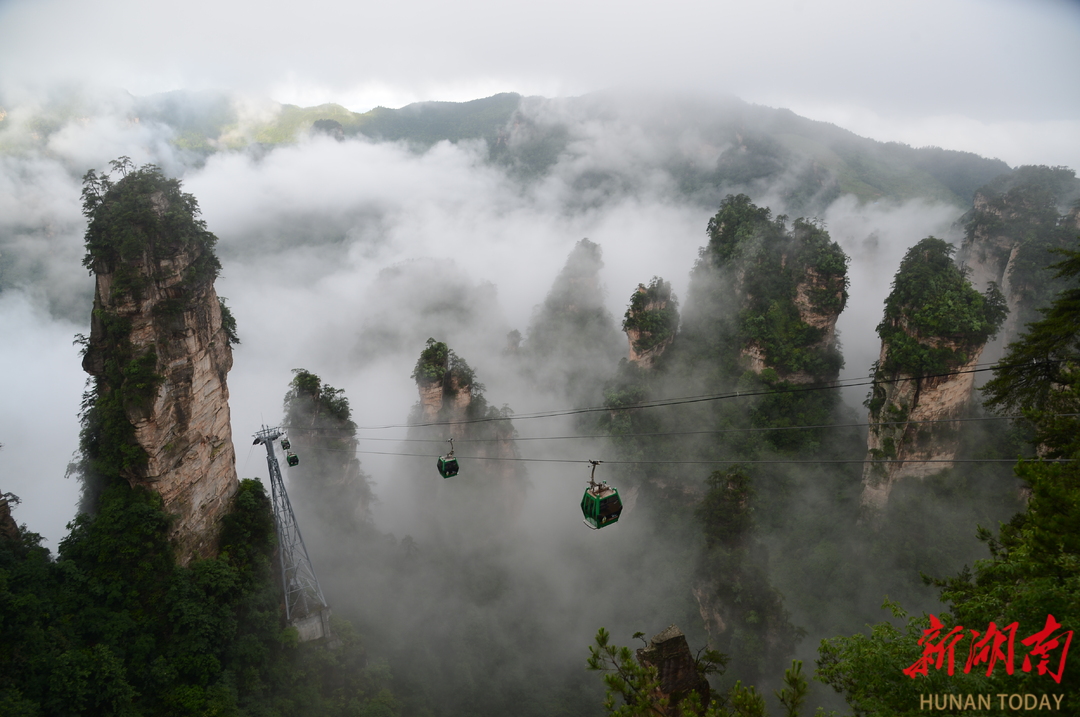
column 998, row 77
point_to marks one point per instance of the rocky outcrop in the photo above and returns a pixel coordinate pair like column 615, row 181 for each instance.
column 933, row 333
column 914, row 424
column 651, row 322
column 766, row 296
column 160, row 342
column 328, row 485
column 670, row 654
column 8, row 528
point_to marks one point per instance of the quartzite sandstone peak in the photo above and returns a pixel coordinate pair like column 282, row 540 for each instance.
column 780, row 288
column 651, row 322
column 932, row 335
column 160, row 341
column 450, row 395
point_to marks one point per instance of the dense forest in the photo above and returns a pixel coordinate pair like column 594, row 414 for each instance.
column 764, row 516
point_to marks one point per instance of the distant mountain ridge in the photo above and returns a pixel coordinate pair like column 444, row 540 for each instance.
column 708, row 148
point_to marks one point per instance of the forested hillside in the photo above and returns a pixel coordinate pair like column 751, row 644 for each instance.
column 737, row 146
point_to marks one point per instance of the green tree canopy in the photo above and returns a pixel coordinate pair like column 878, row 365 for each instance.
column 933, row 316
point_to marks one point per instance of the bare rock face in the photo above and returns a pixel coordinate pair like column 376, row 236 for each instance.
column 711, row 616
column 156, row 316
column 669, row 653
column 935, row 328
column 913, row 425
column 431, row 400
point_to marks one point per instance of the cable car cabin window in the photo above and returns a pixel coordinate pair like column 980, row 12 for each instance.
column 610, row 506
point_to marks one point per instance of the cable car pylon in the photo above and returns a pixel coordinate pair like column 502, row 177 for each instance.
column 305, row 606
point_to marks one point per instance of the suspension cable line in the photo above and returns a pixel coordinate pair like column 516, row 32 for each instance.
column 656, row 403
column 710, row 432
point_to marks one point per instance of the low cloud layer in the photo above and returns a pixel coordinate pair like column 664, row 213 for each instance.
column 343, row 257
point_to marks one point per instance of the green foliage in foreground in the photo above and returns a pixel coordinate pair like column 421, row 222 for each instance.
column 1034, row 566
column 115, row 627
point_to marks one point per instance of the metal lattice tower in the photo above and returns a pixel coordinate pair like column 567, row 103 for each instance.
column 303, row 595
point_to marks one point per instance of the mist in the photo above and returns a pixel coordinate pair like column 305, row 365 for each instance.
column 343, row 257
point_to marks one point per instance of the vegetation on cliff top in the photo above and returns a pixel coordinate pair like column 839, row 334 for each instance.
column 748, row 286
column 114, row 625
column 657, row 324
column 757, row 263
column 439, row 365
column 934, row 318
column 319, row 423
column 144, row 217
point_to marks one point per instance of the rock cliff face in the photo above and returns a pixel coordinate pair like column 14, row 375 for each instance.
column 160, row 348
column 1012, row 224
column 934, row 330
column 914, row 425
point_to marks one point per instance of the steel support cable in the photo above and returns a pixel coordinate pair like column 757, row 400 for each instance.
column 710, row 462
column 712, row 432
column 830, row 386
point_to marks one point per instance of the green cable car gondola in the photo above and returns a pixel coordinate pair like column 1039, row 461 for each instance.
column 600, row 505
column 285, row 445
column 448, row 465
column 292, row 459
